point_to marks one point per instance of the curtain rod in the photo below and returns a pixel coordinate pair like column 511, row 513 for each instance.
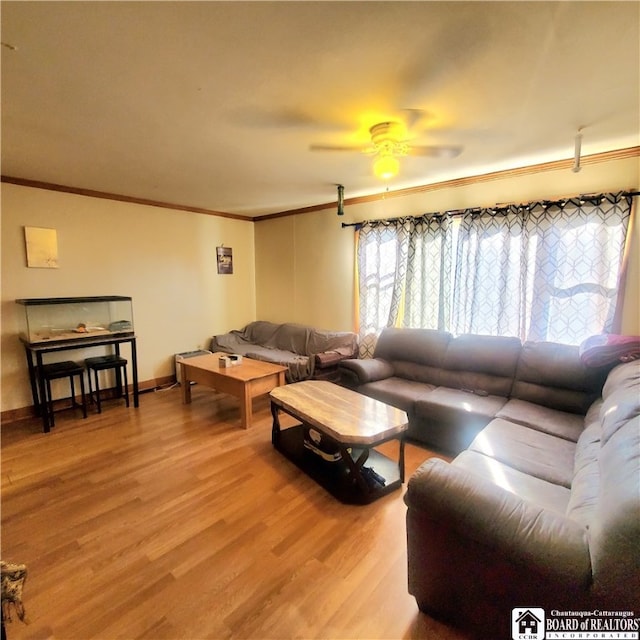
column 496, row 207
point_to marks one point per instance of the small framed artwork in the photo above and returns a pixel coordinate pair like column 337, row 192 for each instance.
column 42, row 247
column 224, row 257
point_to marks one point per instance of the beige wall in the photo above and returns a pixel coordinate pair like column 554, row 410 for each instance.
column 304, row 271
column 297, row 268
column 305, row 263
column 164, row 259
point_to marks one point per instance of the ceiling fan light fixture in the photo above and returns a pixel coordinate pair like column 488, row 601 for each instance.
column 386, row 167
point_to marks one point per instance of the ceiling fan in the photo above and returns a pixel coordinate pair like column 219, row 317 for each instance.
column 388, row 143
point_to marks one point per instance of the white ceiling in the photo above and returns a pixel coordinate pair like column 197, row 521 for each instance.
column 215, row 104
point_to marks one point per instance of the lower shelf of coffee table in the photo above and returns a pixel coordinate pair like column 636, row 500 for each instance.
column 336, row 477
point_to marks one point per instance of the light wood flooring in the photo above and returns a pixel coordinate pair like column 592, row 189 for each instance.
column 170, row 521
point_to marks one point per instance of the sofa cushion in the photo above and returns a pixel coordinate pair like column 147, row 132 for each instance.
column 547, row 495
column 585, row 485
column 418, row 372
column 621, row 398
column 614, row 529
column 424, row 346
column 454, row 406
column 397, row 392
column 552, row 375
column 531, row 451
column 449, row 419
column 624, row 376
column 362, row 370
column 481, row 363
column 558, row 423
column 612, row 513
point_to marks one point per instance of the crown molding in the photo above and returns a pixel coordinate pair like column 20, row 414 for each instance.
column 37, row 184
column 555, row 165
column 596, row 158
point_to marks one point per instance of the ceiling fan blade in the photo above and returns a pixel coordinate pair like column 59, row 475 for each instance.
column 339, row 147
column 435, row 151
column 414, row 116
column 256, row 117
column 282, row 118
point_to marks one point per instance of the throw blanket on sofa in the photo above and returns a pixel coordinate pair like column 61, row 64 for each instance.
column 293, row 345
column 285, row 337
column 601, row 350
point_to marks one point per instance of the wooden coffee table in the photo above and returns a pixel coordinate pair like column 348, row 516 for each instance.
column 246, row 381
column 350, row 423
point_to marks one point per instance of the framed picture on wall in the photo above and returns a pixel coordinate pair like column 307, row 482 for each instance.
column 42, row 247
column 225, row 259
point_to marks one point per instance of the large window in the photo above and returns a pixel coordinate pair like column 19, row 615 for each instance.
column 543, row 271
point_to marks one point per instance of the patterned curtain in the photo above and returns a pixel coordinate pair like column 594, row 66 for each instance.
column 382, row 266
column 490, row 290
column 544, row 271
column 578, row 247
column 429, row 270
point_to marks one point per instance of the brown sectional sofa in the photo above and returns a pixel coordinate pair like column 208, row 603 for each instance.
column 451, row 388
column 542, row 507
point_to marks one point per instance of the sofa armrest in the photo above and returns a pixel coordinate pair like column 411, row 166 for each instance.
column 362, row 371
column 329, row 358
column 521, row 533
column 476, row 552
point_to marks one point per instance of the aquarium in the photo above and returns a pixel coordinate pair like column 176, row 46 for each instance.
column 47, row 320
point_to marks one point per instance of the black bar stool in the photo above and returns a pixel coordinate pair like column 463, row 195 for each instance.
column 55, row 371
column 104, row 363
